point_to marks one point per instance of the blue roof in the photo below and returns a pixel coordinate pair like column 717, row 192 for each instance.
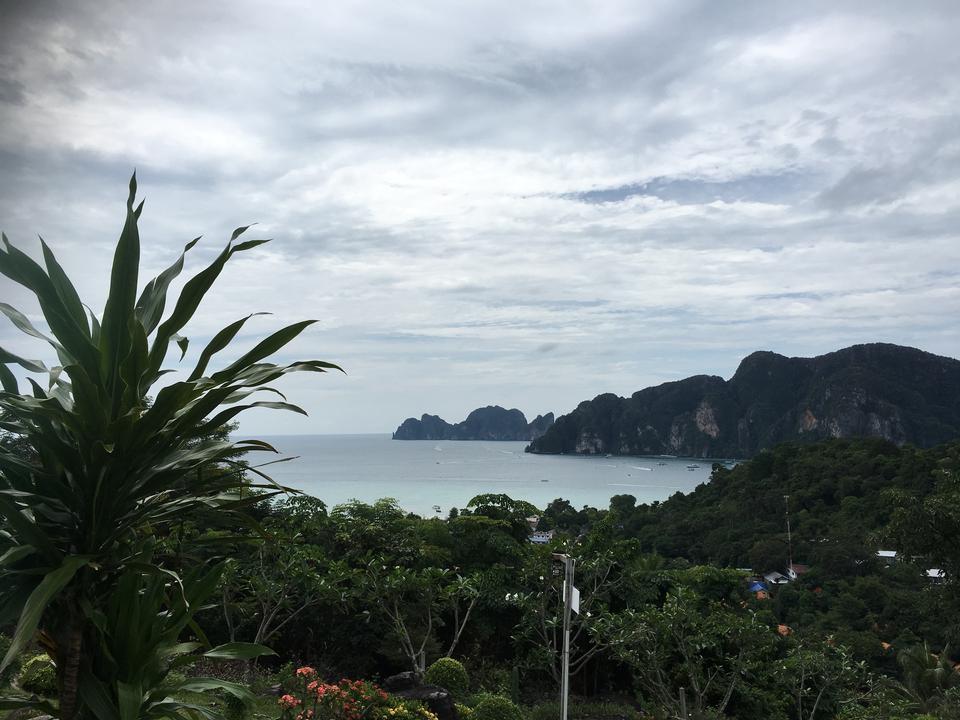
column 757, row 586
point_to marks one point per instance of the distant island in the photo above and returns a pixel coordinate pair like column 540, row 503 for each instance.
column 488, row 423
column 897, row 393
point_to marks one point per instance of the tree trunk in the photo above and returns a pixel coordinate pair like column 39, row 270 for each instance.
column 69, row 654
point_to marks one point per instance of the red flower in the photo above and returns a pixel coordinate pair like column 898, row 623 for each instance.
column 306, row 671
column 288, row 701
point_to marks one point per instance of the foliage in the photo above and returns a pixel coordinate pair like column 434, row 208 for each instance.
column 927, row 677
column 496, row 707
column 39, row 675
column 693, row 644
column 938, row 513
column 836, row 491
column 8, row 673
column 450, row 675
column 583, row 710
column 106, row 471
column 472, row 581
column 599, row 575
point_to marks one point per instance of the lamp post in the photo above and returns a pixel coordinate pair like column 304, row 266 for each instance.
column 568, row 602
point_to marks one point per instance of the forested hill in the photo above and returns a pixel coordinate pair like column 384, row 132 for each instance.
column 842, row 497
column 897, row 393
column 487, row 423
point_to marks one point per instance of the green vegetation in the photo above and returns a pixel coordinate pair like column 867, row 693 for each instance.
column 450, row 675
column 98, row 478
column 39, row 675
column 495, row 707
column 10, row 671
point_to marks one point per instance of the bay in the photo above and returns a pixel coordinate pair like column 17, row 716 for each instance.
column 421, row 474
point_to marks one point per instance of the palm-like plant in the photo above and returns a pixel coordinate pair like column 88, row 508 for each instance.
column 926, row 676
column 107, row 469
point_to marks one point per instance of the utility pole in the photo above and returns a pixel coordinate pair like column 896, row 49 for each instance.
column 569, row 593
column 786, row 500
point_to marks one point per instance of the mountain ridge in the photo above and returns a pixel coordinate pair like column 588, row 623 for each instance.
column 492, row 422
column 894, row 392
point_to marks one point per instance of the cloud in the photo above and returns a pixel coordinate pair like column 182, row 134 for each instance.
column 525, row 204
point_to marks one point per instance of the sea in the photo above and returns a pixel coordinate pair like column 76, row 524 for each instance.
column 430, row 477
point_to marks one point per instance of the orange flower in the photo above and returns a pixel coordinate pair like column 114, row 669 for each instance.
column 306, row 671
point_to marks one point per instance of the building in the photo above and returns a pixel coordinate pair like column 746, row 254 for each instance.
column 888, row 557
column 541, row 537
column 775, row 578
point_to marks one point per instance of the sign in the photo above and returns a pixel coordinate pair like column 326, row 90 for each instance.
column 575, row 599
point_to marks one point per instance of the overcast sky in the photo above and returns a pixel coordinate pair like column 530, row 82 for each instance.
column 514, row 203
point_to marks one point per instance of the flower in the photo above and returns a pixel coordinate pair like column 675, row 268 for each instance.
column 306, row 671
column 288, row 701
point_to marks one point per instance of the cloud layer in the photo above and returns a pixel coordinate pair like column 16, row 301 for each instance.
column 514, row 203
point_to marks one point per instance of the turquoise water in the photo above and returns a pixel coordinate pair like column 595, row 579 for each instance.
column 422, row 473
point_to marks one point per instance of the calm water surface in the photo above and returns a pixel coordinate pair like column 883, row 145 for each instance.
column 422, row 473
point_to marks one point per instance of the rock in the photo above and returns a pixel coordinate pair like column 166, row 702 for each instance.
column 401, row 682
column 488, row 423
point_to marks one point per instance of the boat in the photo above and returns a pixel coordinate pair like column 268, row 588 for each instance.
column 544, row 480
column 693, row 466
column 661, row 463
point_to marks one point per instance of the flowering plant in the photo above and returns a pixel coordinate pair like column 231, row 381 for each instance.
column 315, row 699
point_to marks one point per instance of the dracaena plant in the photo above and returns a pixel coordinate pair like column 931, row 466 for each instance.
column 100, row 470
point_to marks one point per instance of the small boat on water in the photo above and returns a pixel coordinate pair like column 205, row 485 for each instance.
column 693, row 466
column 661, row 463
column 544, row 480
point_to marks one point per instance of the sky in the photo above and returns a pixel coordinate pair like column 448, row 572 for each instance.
column 514, row 203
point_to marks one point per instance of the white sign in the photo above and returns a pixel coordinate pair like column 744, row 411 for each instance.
column 575, row 599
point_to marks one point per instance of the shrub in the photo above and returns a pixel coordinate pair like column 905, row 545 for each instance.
column 405, row 710
column 39, row 675
column 463, row 711
column 450, row 675
column 347, row 700
column 496, row 707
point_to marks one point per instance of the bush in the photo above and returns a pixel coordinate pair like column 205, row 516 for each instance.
column 488, row 676
column 39, row 675
column 463, row 711
column 496, row 707
column 450, row 675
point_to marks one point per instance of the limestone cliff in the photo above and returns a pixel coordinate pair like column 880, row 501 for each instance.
column 488, row 423
column 898, row 393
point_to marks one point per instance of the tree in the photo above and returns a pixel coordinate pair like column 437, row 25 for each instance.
column 107, row 471
column 689, row 651
column 540, row 627
column 415, row 603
